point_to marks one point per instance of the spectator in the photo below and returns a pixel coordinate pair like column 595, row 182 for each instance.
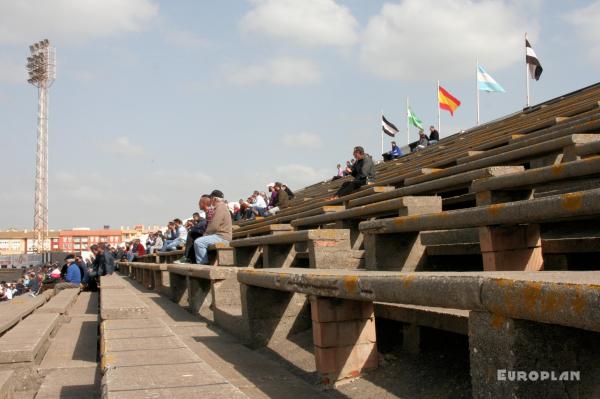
column 218, row 230
column 197, row 230
column 363, row 171
column 158, row 242
column 282, row 199
column 289, row 192
column 180, row 237
column 258, row 206
column 396, row 152
column 340, row 172
column 273, row 199
column 423, row 142
column 73, row 277
column 434, row 136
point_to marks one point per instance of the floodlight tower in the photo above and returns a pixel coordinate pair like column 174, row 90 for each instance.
column 41, row 65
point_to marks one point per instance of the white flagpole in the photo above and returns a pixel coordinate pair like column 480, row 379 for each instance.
column 526, row 70
column 407, row 124
column 477, row 86
column 438, row 107
column 381, row 135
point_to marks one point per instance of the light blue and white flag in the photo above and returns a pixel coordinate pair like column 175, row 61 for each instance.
column 485, row 82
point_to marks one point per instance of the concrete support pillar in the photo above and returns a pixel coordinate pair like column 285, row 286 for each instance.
column 157, row 278
column 344, row 338
column 247, row 256
column 278, row 255
column 227, row 305
column 511, row 248
column 523, row 359
column 411, row 338
column 271, row 315
column 200, row 297
column 180, row 289
column 222, row 256
column 402, row 252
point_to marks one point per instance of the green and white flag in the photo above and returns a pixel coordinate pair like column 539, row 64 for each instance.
column 413, row 119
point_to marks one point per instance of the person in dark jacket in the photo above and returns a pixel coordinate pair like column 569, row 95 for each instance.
column 396, row 152
column 434, row 136
column 363, row 171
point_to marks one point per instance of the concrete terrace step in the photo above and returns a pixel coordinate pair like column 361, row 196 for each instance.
column 61, row 302
column 71, row 383
column 15, row 310
column 6, row 384
column 29, row 340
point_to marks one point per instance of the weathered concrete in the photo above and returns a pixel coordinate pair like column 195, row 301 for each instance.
column 29, row 340
column 499, row 346
column 520, row 295
column 6, row 384
column 74, row 346
column 71, row 383
column 161, row 381
column 121, row 304
column 438, row 185
column 112, row 281
column 549, row 209
column 15, row 310
column 62, row 302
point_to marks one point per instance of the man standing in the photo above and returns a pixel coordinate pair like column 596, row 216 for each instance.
column 363, row 171
column 219, row 229
column 72, row 277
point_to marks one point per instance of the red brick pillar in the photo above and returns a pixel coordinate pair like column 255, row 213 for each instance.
column 511, row 248
column 344, row 337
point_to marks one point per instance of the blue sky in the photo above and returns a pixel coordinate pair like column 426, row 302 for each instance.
column 157, row 102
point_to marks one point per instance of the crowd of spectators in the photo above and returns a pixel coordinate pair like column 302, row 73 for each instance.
column 261, row 204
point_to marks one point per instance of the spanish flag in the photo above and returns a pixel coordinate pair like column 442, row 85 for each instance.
column 447, row 100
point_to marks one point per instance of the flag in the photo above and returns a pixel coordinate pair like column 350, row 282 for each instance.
column 535, row 68
column 485, row 82
column 447, row 101
column 413, row 119
column 388, row 127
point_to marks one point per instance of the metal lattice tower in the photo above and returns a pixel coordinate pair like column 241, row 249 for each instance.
column 41, row 65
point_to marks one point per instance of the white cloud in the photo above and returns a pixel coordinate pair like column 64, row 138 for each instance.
column 435, row 39
column 309, row 141
column 585, row 21
column 285, row 71
column 307, row 22
column 71, row 20
column 122, row 146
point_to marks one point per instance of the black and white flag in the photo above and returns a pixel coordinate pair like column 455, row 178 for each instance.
column 388, row 127
column 535, row 68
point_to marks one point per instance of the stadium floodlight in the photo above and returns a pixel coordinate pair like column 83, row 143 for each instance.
column 41, row 66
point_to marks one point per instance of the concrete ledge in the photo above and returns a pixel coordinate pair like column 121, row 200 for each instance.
column 111, row 281
column 62, row 302
column 121, row 304
column 14, row 311
column 454, row 320
column 548, row 209
column 28, row 341
column 291, row 237
column 521, row 295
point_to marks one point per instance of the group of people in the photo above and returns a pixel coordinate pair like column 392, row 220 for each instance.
column 423, row 142
column 75, row 272
column 261, row 204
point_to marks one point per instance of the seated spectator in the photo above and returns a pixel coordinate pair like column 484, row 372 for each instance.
column 180, row 237
column 423, row 142
column 72, row 278
column 218, row 229
column 137, row 249
column 236, row 213
column 282, row 199
column 197, row 230
column 158, row 242
column 363, row 171
column 395, row 152
column 289, row 192
column 258, row 207
column 340, row 172
column 434, row 136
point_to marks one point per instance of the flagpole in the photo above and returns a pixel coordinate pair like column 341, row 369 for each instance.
column 407, row 123
column 382, row 136
column 439, row 110
column 526, row 70
column 477, row 85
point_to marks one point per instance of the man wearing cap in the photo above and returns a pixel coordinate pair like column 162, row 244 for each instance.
column 73, row 276
column 218, row 230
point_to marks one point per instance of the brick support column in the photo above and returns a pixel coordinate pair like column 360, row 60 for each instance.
column 344, row 338
column 511, row 248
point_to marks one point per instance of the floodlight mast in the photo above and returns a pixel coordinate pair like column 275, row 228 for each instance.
column 41, row 65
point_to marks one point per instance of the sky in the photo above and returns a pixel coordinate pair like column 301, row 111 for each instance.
column 157, row 102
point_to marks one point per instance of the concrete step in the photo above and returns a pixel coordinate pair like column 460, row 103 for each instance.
column 28, row 341
column 6, row 384
column 71, row 383
column 15, row 310
column 74, row 346
column 86, row 304
column 121, row 304
column 61, row 302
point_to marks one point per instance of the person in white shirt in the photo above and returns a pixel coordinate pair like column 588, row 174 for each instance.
column 259, row 206
column 180, row 238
